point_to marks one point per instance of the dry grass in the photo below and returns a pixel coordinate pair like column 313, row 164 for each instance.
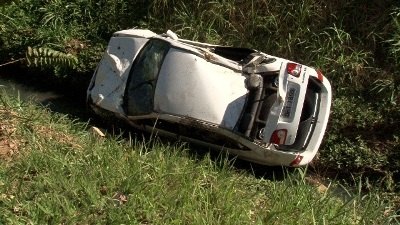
column 54, row 134
column 9, row 144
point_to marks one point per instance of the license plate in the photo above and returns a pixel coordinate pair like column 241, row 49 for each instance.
column 290, row 99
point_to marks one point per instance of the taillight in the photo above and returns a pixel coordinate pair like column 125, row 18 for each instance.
column 320, row 76
column 297, row 160
column 279, row 137
column 293, row 69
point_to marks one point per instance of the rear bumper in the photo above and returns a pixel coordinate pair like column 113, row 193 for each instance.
column 302, row 153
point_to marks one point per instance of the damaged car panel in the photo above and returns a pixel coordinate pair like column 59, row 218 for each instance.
column 260, row 107
column 112, row 72
column 217, row 96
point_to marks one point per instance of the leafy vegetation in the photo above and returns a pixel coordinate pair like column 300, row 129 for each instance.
column 356, row 43
column 53, row 170
column 46, row 57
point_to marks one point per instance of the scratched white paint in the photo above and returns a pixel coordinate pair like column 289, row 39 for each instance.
column 190, row 86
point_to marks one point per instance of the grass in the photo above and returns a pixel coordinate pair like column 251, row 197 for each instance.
column 356, row 44
column 53, row 170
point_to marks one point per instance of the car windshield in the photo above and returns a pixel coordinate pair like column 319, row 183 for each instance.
column 139, row 95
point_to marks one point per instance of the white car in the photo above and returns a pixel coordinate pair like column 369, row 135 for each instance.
column 260, row 107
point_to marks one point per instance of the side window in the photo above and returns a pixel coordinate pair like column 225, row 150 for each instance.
column 139, row 94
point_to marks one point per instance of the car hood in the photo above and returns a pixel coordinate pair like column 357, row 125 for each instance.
column 190, row 86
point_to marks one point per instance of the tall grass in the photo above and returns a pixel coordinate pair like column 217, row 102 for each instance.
column 63, row 174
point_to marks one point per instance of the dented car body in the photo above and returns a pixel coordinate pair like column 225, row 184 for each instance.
column 262, row 108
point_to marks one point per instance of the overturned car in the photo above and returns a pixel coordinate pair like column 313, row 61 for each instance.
column 262, row 108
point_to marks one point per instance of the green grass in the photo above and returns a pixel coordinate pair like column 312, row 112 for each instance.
column 61, row 173
column 356, row 44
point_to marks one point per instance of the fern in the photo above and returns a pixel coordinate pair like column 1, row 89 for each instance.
column 46, row 57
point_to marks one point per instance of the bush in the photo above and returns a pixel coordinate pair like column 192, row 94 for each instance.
column 78, row 27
